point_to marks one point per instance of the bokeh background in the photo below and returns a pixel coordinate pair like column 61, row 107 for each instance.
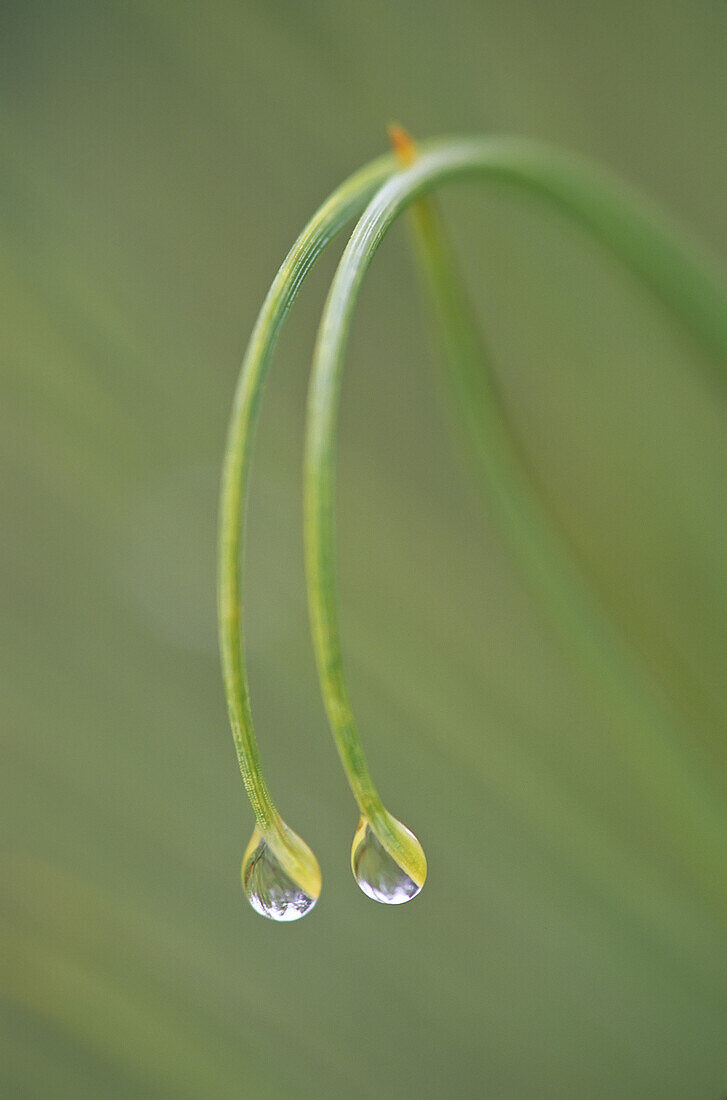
column 158, row 158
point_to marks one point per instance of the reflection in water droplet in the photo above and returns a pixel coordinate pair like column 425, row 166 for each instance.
column 269, row 888
column 377, row 872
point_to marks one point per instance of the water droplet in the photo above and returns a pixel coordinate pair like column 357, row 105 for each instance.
column 389, row 867
column 283, row 892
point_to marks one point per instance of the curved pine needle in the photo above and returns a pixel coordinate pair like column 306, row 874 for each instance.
column 346, row 202
column 685, row 282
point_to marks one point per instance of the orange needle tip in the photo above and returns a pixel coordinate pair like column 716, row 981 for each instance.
column 403, row 144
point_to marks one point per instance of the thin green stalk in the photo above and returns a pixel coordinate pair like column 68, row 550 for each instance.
column 476, row 394
column 685, row 283
column 474, row 390
column 346, row 202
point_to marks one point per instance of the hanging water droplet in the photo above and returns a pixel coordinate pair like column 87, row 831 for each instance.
column 274, row 891
column 386, row 875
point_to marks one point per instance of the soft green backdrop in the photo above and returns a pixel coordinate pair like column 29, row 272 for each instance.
column 157, row 159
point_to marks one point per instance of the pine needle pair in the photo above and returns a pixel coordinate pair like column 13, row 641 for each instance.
column 281, row 876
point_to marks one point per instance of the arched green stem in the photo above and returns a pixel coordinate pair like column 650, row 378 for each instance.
column 684, row 281
column 474, row 388
column 344, row 204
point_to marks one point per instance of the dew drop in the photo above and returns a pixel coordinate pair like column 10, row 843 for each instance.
column 272, row 890
column 379, row 874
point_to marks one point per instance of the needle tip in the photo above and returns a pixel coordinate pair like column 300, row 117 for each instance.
column 403, row 144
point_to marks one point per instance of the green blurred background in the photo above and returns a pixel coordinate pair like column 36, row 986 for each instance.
column 158, row 158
